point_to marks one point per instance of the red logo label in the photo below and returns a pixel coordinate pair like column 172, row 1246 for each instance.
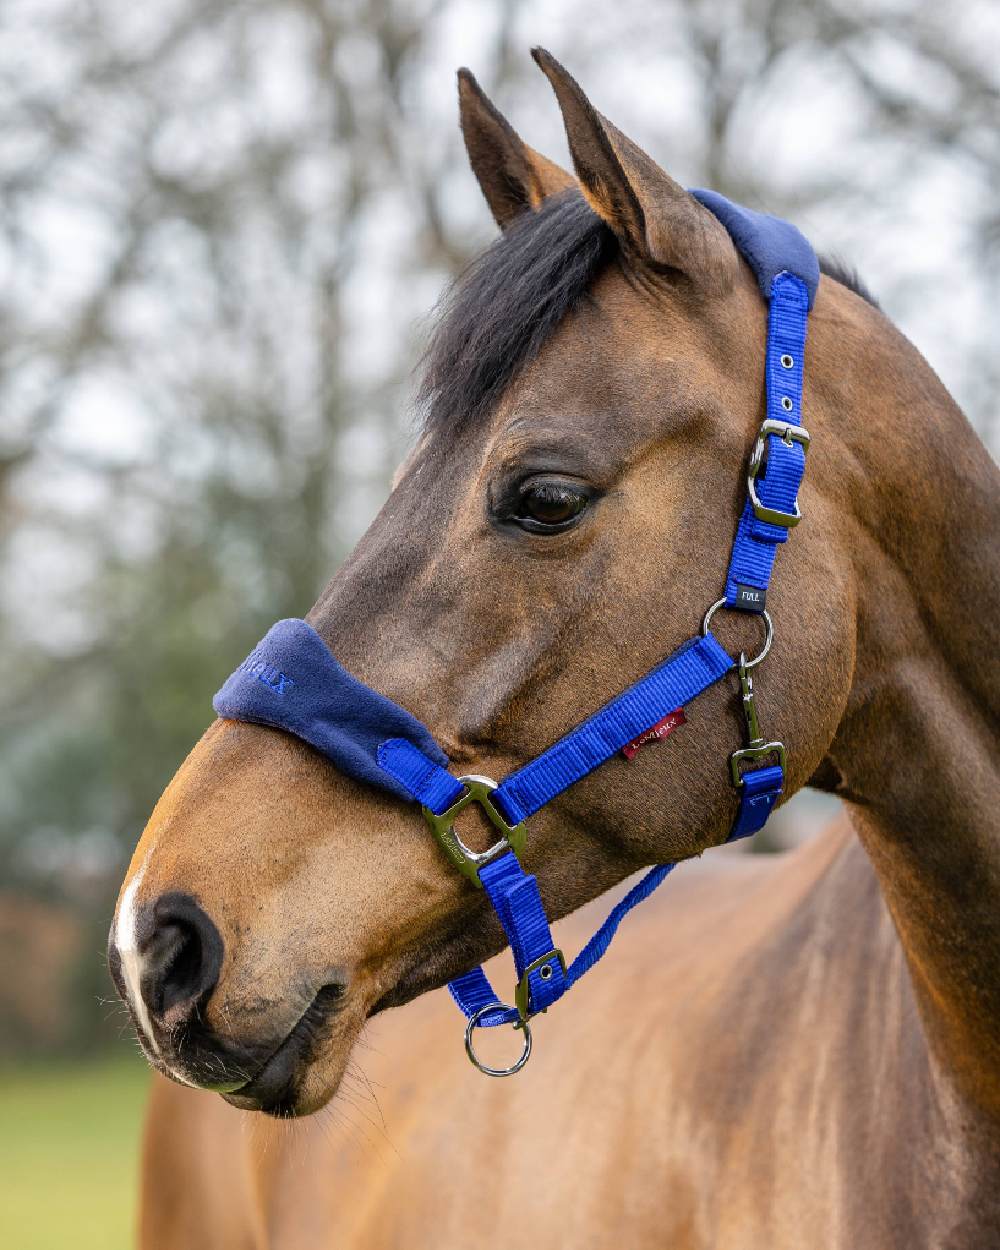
column 662, row 729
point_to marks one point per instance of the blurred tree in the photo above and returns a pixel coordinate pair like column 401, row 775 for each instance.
column 220, row 222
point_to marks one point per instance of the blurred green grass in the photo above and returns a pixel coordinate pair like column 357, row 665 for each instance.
column 69, row 1154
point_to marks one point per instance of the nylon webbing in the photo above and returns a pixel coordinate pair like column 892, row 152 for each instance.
column 756, row 540
column 472, row 992
column 699, row 663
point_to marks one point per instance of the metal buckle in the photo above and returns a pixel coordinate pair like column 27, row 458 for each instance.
column 756, row 747
column 522, row 995
column 789, row 434
column 477, row 790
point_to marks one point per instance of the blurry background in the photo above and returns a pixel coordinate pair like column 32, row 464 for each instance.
column 222, row 228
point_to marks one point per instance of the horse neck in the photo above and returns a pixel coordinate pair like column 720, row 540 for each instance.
column 916, row 750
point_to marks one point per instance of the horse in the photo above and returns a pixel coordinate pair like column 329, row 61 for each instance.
column 783, row 1051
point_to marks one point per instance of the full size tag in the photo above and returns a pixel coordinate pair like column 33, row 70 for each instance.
column 750, row 598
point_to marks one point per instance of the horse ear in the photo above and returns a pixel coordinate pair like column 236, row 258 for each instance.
column 513, row 176
column 654, row 218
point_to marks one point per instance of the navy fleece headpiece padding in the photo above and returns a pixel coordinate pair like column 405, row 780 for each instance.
column 768, row 244
column 292, row 682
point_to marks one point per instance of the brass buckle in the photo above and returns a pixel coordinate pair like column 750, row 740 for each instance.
column 789, row 434
column 522, row 994
column 477, row 790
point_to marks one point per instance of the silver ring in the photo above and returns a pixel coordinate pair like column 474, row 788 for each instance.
column 474, row 1058
column 768, row 630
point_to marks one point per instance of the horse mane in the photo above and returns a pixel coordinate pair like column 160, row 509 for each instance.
column 496, row 317
column 840, row 271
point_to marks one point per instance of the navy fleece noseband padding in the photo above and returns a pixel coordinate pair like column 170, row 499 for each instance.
column 292, row 682
column 768, row 244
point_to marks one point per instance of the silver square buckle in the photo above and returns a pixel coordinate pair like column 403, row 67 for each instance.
column 789, row 434
column 477, row 790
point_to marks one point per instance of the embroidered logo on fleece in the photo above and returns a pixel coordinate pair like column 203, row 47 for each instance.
column 266, row 674
column 662, row 729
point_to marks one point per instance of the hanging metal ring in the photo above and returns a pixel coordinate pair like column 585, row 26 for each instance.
column 768, row 630
column 470, row 1028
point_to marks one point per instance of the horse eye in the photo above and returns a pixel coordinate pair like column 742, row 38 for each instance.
column 547, row 507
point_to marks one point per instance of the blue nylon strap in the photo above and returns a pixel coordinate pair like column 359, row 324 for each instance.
column 759, row 792
column 514, row 895
column 597, row 947
column 473, row 991
column 756, row 540
column 786, row 341
column 515, row 898
column 693, row 667
column 423, row 779
column 787, row 273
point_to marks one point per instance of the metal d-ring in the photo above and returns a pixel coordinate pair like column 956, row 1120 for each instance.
column 470, row 1049
column 768, row 630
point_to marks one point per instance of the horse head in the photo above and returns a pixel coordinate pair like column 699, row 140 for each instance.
column 592, row 392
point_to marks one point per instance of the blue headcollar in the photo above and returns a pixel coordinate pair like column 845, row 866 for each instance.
column 292, row 682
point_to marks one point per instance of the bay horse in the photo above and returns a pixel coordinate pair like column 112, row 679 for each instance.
column 784, row 1052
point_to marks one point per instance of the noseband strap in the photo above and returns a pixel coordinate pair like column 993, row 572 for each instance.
column 291, row 681
column 692, row 668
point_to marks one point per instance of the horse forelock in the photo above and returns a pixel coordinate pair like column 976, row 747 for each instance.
column 498, row 315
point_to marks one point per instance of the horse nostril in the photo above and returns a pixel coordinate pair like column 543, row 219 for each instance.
column 181, row 958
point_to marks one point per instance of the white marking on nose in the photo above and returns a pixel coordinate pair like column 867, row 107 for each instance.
column 131, row 957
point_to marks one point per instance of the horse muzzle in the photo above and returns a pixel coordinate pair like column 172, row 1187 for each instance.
column 166, row 960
